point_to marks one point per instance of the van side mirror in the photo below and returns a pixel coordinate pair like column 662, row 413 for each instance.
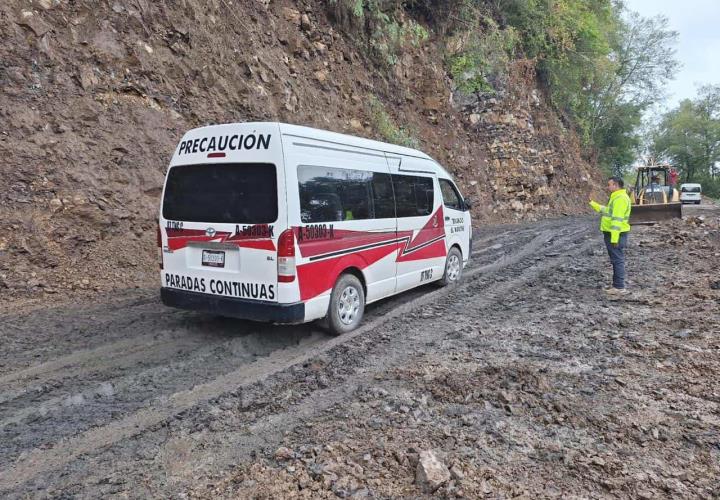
column 467, row 204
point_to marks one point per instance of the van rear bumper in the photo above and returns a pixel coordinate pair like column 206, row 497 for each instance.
column 254, row 310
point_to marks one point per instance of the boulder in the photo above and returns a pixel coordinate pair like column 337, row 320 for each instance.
column 431, row 473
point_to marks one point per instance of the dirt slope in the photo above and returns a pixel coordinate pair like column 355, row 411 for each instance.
column 95, row 96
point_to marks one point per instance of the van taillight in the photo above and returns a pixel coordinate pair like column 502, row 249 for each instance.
column 159, row 245
column 286, row 257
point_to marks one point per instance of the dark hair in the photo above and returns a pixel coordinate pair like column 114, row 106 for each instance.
column 618, row 181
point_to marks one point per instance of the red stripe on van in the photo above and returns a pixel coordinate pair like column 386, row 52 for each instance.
column 256, row 244
column 179, row 239
column 342, row 240
column 317, row 277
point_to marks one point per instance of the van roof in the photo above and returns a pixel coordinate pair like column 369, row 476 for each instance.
column 690, row 184
column 335, row 137
column 361, row 142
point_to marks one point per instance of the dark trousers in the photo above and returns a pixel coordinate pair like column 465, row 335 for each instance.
column 617, row 258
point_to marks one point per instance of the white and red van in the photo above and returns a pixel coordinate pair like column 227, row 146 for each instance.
column 282, row 223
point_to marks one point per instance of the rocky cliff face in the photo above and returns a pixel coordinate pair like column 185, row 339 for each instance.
column 95, row 96
column 532, row 166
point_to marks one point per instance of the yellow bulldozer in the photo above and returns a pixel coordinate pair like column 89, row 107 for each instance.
column 654, row 198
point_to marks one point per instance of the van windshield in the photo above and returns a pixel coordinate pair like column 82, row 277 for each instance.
column 232, row 193
column 691, row 189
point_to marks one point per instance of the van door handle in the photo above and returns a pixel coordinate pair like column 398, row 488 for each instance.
column 447, row 218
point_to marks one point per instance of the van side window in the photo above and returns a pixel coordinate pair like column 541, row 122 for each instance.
column 414, row 195
column 330, row 194
column 383, row 196
column 451, row 198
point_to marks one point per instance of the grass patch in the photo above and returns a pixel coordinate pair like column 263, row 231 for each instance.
column 386, row 127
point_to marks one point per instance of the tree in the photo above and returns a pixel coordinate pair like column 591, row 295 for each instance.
column 643, row 61
column 603, row 65
column 689, row 137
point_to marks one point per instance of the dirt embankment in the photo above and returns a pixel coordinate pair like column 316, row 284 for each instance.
column 96, row 94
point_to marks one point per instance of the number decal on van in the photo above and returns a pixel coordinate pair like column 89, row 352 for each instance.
column 171, row 224
column 254, row 231
column 316, row 232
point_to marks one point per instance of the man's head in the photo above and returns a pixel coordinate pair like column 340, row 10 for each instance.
column 655, row 179
column 615, row 183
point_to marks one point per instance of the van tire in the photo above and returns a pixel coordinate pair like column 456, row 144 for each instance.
column 453, row 268
column 347, row 305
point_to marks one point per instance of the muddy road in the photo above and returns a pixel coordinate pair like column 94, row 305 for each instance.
column 120, row 395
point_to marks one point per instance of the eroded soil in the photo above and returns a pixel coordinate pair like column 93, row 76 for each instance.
column 525, row 380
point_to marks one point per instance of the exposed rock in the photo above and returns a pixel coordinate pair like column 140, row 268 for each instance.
column 283, row 454
column 87, row 77
column 55, row 204
column 291, row 15
column 305, row 22
column 34, row 22
column 457, row 473
column 430, row 473
column 48, row 4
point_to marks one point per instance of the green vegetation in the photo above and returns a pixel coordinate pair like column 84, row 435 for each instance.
column 601, row 65
column 479, row 62
column 387, row 128
column 689, row 138
column 387, row 31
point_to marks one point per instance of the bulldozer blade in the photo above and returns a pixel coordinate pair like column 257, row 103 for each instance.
column 644, row 214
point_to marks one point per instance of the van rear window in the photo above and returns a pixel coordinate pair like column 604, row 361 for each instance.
column 232, row 193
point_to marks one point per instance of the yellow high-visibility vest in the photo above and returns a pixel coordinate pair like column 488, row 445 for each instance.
column 615, row 217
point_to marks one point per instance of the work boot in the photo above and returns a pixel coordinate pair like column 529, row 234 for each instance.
column 616, row 292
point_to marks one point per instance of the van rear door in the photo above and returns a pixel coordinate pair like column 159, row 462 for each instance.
column 222, row 213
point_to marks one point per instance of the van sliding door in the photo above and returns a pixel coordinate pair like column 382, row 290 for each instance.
column 345, row 214
column 420, row 222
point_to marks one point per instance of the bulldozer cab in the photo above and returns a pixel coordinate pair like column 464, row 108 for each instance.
column 654, row 199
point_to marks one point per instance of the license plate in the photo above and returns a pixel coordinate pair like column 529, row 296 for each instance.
column 213, row 258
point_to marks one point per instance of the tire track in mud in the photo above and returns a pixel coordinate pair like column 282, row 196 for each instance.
column 38, row 461
column 263, row 431
column 128, row 391
column 123, row 353
column 86, row 385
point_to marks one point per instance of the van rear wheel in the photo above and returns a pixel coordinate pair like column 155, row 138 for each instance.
column 347, row 305
column 453, row 268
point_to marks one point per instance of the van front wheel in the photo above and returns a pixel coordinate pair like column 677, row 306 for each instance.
column 347, row 305
column 453, row 268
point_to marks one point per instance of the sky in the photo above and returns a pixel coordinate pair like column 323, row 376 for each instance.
column 698, row 50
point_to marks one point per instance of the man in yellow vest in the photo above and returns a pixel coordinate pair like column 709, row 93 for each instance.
column 615, row 226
